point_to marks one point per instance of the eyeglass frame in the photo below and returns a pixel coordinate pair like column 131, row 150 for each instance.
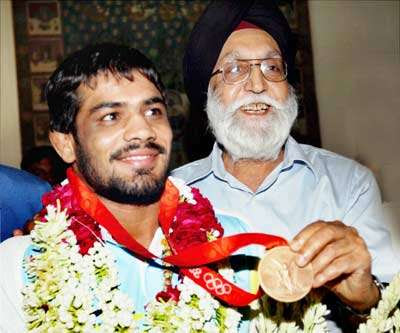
column 220, row 70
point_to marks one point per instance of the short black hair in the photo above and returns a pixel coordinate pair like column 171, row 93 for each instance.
column 84, row 65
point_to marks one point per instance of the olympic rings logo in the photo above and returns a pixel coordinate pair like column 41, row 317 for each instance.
column 217, row 285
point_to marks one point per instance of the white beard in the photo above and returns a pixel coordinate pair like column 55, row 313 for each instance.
column 260, row 138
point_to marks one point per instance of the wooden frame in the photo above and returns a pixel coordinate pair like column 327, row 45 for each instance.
column 43, row 18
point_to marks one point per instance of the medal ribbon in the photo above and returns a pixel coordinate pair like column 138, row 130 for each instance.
column 190, row 260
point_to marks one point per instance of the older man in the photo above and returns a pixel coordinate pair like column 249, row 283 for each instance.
column 105, row 245
column 238, row 65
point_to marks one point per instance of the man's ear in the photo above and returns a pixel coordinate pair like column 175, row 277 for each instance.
column 64, row 144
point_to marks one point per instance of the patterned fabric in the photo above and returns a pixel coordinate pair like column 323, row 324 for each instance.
column 157, row 28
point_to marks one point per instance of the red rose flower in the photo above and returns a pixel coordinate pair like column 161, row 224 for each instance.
column 86, row 230
column 171, row 293
column 65, row 195
column 193, row 222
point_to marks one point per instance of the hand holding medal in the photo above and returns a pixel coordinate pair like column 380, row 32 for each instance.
column 341, row 262
column 328, row 254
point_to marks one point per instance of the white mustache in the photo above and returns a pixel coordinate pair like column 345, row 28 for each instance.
column 250, row 99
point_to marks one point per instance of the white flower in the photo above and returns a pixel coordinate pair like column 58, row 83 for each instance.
column 216, row 233
column 82, row 316
column 211, row 327
column 233, row 318
column 124, row 318
column 309, row 314
column 379, row 319
column 65, row 281
column 184, row 190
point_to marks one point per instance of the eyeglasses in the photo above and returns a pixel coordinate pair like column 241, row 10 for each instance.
column 237, row 71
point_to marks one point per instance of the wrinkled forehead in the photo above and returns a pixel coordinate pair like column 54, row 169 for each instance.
column 249, row 44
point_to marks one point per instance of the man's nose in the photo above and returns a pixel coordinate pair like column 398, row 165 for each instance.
column 256, row 82
column 139, row 128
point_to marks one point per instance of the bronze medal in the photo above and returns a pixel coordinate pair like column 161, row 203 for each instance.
column 281, row 278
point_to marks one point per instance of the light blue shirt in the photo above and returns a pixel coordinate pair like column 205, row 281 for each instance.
column 310, row 184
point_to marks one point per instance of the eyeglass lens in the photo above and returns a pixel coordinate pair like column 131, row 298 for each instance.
column 273, row 69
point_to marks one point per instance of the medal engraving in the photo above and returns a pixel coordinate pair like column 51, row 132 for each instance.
column 281, row 278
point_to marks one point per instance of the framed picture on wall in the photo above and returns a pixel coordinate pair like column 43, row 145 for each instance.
column 43, row 18
column 38, row 83
column 41, row 122
column 45, row 54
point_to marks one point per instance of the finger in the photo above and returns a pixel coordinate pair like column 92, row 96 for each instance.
column 299, row 240
column 330, row 232
column 329, row 253
column 17, row 232
column 343, row 266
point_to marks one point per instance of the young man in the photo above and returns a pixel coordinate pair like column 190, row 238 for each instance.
column 329, row 205
column 90, row 262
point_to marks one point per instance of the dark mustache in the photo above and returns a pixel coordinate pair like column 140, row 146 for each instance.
column 133, row 146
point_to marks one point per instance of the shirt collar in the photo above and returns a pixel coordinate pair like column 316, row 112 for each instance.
column 213, row 163
column 217, row 163
column 294, row 153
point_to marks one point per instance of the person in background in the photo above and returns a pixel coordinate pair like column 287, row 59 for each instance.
column 327, row 205
column 20, row 199
column 44, row 162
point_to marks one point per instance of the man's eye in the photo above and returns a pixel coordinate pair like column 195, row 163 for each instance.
column 273, row 68
column 153, row 112
column 234, row 69
column 109, row 117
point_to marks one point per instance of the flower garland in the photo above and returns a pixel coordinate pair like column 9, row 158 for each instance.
column 308, row 313
column 385, row 317
column 195, row 311
column 70, row 291
column 187, row 307
column 73, row 282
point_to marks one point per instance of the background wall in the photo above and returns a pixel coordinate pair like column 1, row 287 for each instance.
column 357, row 72
column 10, row 137
column 49, row 30
column 356, row 49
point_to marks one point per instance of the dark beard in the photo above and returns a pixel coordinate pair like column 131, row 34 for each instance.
column 144, row 189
